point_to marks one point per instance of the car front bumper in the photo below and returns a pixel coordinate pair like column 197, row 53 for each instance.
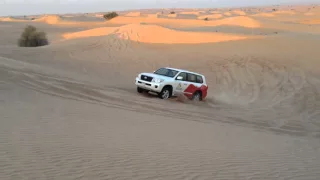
column 151, row 86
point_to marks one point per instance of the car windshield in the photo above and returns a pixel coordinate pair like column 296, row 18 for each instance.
column 166, row 72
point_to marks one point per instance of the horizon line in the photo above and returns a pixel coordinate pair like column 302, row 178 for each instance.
column 159, row 8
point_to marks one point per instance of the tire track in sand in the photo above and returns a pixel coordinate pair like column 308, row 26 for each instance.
column 205, row 112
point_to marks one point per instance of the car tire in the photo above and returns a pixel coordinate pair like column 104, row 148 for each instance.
column 140, row 90
column 165, row 93
column 197, row 96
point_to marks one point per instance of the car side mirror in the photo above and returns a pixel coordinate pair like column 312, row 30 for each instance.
column 179, row 78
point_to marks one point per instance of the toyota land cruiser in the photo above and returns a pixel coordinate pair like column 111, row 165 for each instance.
column 168, row 82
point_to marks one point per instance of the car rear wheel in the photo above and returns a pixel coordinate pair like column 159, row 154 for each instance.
column 165, row 93
column 196, row 96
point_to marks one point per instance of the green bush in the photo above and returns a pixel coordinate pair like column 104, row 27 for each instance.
column 30, row 37
column 110, row 15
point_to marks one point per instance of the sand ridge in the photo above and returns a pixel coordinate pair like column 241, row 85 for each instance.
column 90, row 33
column 211, row 16
column 311, row 21
column 242, row 21
column 197, row 13
column 145, row 34
column 133, row 14
column 263, row 15
column 239, row 12
column 227, row 14
column 10, row 19
column 284, row 12
column 50, row 19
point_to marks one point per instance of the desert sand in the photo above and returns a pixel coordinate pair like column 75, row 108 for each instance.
column 70, row 110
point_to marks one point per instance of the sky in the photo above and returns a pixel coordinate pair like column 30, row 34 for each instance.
column 34, row 7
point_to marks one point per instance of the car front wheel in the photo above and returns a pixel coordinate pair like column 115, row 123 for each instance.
column 165, row 93
column 140, row 90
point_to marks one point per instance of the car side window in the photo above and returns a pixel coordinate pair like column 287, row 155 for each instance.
column 199, row 79
column 191, row 77
column 184, row 76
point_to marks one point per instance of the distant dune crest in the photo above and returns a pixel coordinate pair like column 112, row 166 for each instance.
column 242, row 21
column 133, row 14
column 239, row 12
column 146, row 34
column 49, row 19
column 211, row 16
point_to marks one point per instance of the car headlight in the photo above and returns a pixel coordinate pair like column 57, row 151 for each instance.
column 156, row 80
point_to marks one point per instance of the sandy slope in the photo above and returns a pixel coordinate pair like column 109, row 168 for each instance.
column 89, row 33
column 311, row 21
column 239, row 12
column 70, row 110
column 133, row 14
column 211, row 16
column 233, row 21
column 49, row 19
column 146, row 34
column 264, row 15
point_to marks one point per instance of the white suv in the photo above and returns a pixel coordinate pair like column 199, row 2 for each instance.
column 168, row 82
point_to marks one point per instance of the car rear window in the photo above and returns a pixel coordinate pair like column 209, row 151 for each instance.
column 199, row 79
column 191, row 77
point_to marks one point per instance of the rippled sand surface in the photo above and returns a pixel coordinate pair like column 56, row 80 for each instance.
column 70, row 110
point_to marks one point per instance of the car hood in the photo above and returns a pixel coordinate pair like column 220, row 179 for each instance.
column 156, row 76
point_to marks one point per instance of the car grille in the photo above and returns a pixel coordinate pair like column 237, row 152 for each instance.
column 146, row 78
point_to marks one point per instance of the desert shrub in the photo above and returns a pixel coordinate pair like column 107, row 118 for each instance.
column 30, row 37
column 172, row 12
column 206, row 19
column 110, row 15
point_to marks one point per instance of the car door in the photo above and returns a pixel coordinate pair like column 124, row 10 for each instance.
column 193, row 84
column 180, row 85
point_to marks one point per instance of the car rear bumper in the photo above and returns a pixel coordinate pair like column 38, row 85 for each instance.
column 155, row 87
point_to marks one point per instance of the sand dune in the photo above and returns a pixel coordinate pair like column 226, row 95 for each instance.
column 309, row 14
column 6, row 19
column 239, row 12
column 227, row 14
column 211, row 16
column 145, row 34
column 72, row 20
column 311, row 21
column 99, row 15
column 152, row 15
column 264, row 15
column 90, row 33
column 70, row 110
column 172, row 15
column 242, row 21
column 215, row 12
column 49, row 19
column 191, row 13
column 284, row 12
column 133, row 14
column 9, row 19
